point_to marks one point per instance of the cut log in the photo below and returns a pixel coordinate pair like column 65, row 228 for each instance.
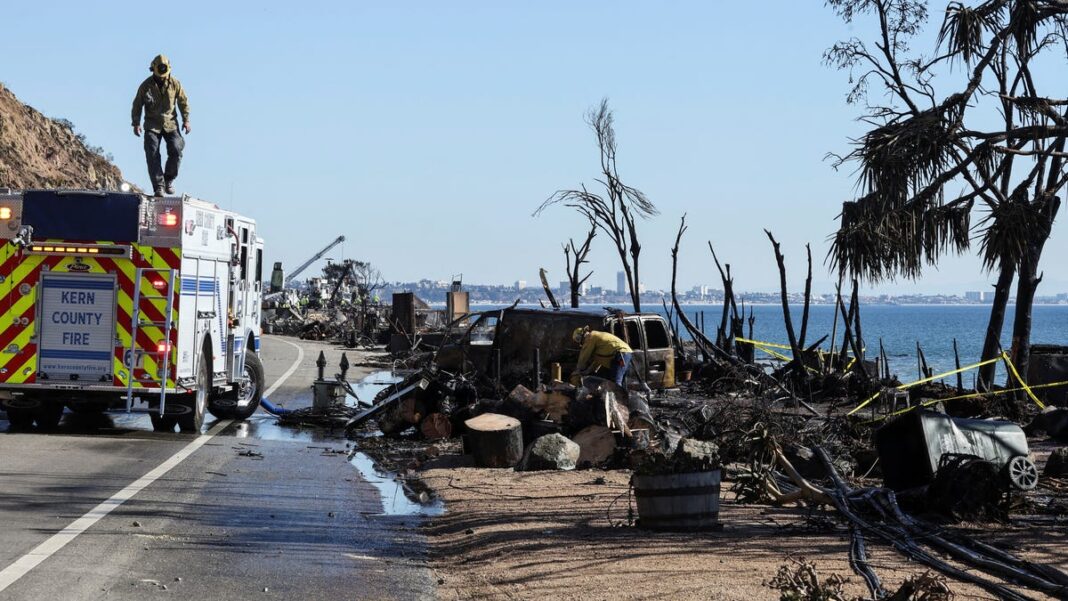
column 596, row 444
column 436, row 426
column 400, row 416
column 553, row 403
column 494, row 440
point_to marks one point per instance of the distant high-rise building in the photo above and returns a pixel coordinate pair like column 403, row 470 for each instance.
column 621, row 282
column 520, row 284
column 974, row 296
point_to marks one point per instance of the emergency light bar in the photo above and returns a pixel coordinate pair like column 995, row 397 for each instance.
column 79, row 249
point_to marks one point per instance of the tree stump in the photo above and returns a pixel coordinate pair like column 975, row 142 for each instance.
column 436, row 426
column 597, row 444
column 494, row 440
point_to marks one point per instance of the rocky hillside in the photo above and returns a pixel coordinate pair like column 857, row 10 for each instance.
column 38, row 152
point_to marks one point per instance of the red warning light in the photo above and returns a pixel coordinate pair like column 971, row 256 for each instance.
column 168, row 219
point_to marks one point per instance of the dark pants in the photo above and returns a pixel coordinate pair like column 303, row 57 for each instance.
column 175, row 143
column 620, row 365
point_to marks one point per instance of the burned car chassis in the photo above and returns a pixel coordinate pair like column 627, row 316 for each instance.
column 504, row 346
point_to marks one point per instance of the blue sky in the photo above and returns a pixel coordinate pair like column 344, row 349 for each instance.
column 428, row 132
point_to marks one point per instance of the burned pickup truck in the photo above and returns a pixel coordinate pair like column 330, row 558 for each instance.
column 526, row 346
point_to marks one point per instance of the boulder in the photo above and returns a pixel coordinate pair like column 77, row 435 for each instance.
column 550, row 452
column 694, row 455
column 1053, row 421
column 1057, row 464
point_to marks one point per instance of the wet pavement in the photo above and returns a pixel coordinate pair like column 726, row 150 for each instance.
column 257, row 510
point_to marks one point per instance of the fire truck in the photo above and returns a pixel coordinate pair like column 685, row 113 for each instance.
column 113, row 300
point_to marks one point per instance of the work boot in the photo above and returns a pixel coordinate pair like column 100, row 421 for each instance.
column 170, row 188
column 157, row 191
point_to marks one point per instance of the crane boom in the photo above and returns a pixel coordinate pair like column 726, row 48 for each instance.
column 318, row 255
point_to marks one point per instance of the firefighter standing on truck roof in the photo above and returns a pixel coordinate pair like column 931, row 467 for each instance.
column 158, row 95
column 602, row 350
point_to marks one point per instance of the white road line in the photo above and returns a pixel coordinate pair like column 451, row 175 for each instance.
column 31, row 560
column 293, row 368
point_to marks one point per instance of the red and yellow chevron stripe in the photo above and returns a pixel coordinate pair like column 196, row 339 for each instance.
column 21, row 273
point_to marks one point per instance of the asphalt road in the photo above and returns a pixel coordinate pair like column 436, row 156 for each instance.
column 108, row 509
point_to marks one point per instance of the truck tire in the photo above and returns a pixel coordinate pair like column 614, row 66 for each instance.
column 243, row 401
column 162, row 423
column 48, row 415
column 193, row 420
column 20, row 413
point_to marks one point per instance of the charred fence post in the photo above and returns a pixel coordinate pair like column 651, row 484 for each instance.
column 536, row 372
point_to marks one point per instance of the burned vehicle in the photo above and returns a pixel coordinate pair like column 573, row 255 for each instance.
column 530, row 346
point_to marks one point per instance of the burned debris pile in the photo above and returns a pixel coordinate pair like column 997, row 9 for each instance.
column 704, row 415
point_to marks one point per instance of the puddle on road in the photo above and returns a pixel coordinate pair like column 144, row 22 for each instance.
column 394, row 499
column 264, row 426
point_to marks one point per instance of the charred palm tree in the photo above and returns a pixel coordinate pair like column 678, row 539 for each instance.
column 931, row 157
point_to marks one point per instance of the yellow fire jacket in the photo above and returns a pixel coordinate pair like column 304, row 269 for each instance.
column 599, row 349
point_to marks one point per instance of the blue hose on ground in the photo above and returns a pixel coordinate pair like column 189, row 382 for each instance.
column 273, row 409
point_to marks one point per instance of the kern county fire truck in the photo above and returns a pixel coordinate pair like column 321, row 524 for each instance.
column 114, row 300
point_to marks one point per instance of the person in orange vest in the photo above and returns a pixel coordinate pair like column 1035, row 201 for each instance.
column 601, row 350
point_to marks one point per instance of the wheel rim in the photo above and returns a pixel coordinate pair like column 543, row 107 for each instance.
column 202, row 392
column 1023, row 473
column 247, row 390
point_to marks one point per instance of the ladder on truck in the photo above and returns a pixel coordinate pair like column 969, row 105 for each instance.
column 134, row 351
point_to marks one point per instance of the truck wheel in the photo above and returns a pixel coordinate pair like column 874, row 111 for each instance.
column 162, row 423
column 193, row 420
column 48, row 415
column 20, row 412
column 245, row 399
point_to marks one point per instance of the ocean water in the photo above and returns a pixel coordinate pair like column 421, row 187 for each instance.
column 899, row 327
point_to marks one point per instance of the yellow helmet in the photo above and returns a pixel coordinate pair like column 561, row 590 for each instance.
column 161, row 65
column 579, row 333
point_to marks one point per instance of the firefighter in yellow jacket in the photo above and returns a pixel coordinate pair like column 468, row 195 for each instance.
column 157, row 96
column 601, row 350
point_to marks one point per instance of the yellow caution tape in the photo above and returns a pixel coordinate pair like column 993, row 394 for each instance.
column 971, row 395
column 762, row 343
column 762, row 347
column 1016, row 374
column 774, row 354
column 926, row 380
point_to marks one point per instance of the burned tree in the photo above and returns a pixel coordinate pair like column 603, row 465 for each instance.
column 616, row 211
column 995, row 139
column 575, row 278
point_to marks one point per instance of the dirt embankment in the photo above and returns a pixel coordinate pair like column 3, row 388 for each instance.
column 38, row 152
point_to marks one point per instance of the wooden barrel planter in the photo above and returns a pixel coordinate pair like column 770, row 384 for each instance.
column 678, row 501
